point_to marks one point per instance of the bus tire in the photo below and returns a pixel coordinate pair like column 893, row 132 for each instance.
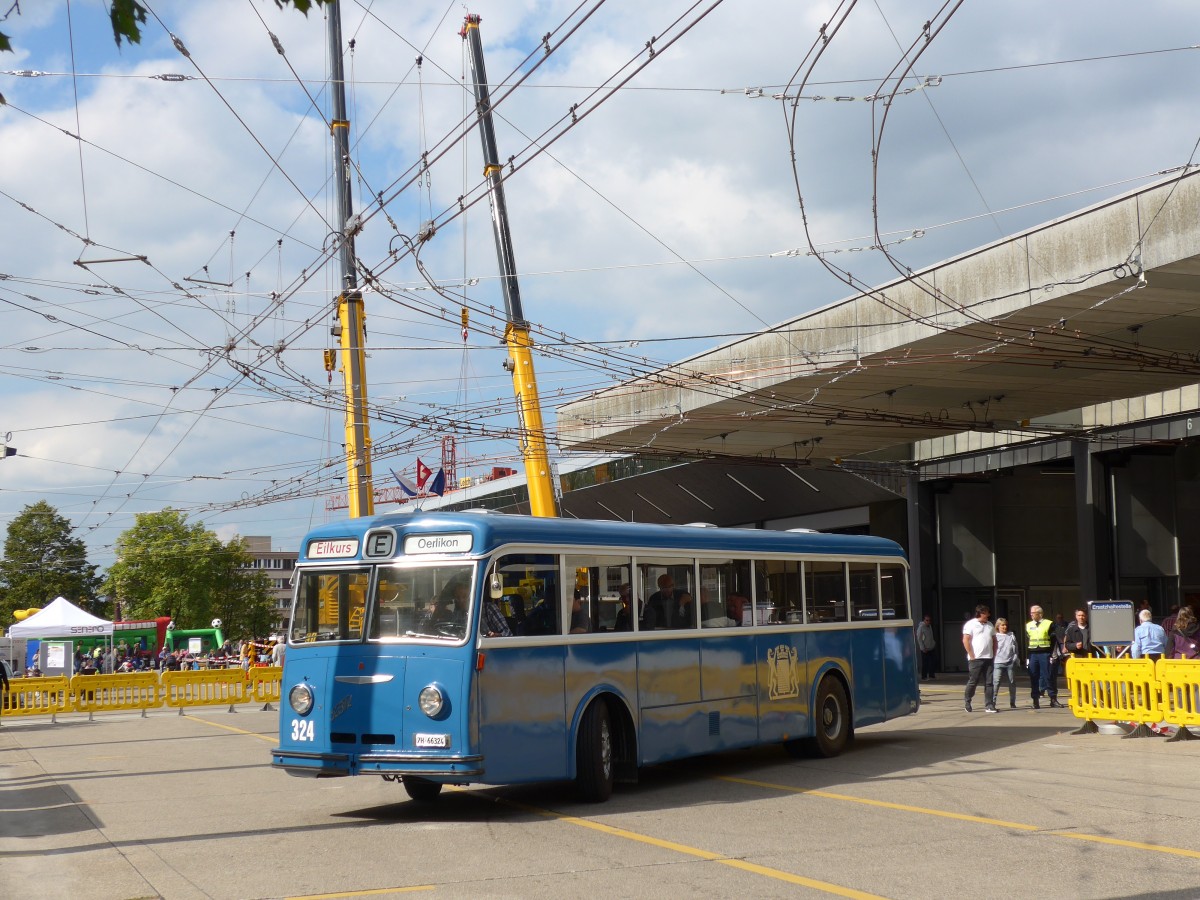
column 594, row 755
column 422, row 789
column 831, row 723
column 831, row 716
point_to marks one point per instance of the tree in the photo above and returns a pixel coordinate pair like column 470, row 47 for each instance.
column 167, row 567
column 43, row 560
column 128, row 17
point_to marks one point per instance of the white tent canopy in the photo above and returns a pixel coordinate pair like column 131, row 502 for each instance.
column 61, row 619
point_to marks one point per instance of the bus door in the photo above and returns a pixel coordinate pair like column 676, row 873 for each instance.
column 782, row 651
column 599, row 599
column 523, row 733
column 673, row 722
column 728, row 677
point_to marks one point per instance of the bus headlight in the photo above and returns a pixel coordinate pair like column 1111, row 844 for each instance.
column 431, row 701
column 301, row 699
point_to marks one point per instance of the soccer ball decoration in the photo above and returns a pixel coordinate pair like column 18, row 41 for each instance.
column 216, row 623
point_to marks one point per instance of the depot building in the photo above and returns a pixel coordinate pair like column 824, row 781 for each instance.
column 1023, row 418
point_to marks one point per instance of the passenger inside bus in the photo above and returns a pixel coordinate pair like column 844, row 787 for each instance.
column 737, row 608
column 664, row 603
column 624, row 616
column 493, row 623
column 682, row 614
column 579, row 618
column 713, row 612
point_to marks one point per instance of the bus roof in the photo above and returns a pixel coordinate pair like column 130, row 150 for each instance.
column 492, row 530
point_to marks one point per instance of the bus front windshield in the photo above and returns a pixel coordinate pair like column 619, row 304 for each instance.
column 330, row 606
column 407, row 602
column 421, row 602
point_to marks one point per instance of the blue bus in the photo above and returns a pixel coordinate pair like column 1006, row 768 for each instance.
column 455, row 648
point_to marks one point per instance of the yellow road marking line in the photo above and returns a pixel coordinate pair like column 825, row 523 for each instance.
column 1136, row 845
column 373, row 892
column 963, row 817
column 261, row 737
column 766, row 871
column 881, row 803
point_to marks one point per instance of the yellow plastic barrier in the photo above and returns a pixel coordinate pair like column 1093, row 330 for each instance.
column 1123, row 690
column 265, row 684
column 127, row 690
column 215, row 687
column 1179, row 681
column 37, row 696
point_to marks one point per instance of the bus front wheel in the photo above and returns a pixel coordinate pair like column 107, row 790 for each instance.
column 422, row 790
column 831, row 715
column 594, row 755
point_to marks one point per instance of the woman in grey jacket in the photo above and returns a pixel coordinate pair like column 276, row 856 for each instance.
column 1006, row 663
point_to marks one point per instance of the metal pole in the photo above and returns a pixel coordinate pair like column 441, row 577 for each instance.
column 539, row 477
column 351, row 317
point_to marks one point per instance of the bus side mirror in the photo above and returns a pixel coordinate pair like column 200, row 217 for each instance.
column 496, row 588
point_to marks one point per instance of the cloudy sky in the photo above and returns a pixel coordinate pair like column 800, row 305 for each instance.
column 165, row 275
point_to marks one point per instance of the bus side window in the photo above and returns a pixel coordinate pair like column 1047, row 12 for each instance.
column 864, row 592
column 894, row 583
column 778, row 600
column 825, row 590
column 670, row 595
column 592, row 597
column 530, row 582
column 722, row 601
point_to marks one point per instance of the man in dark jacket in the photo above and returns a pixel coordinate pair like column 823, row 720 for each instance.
column 1078, row 640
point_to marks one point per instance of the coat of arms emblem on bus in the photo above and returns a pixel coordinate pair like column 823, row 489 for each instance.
column 785, row 680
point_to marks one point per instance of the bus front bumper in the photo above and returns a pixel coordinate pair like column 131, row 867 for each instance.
column 334, row 765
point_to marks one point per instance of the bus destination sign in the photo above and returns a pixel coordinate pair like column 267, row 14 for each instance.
column 437, row 543
column 333, row 549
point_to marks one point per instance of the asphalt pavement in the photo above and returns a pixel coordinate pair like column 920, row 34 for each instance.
column 941, row 804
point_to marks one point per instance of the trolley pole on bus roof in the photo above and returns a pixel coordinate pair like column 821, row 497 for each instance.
column 538, row 475
column 350, row 315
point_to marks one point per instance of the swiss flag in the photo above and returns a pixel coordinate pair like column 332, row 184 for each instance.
column 423, row 473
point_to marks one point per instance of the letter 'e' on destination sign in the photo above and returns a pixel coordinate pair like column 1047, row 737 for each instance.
column 437, row 543
column 336, row 549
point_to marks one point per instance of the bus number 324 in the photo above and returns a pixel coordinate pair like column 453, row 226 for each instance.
column 302, row 730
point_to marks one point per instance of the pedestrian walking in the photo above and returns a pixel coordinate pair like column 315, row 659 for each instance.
column 979, row 640
column 927, row 645
column 1005, row 665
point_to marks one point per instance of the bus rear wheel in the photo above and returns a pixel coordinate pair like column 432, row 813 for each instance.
column 421, row 789
column 594, row 755
column 831, row 714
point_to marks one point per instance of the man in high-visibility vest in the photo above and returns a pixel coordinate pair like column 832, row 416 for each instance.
column 1039, row 638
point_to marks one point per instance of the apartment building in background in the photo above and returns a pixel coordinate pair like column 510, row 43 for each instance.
column 279, row 566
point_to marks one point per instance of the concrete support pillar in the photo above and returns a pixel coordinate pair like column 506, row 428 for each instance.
column 921, row 547
column 1086, row 517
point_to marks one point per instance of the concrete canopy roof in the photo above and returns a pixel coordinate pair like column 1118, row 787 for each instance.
column 724, row 493
column 1099, row 305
